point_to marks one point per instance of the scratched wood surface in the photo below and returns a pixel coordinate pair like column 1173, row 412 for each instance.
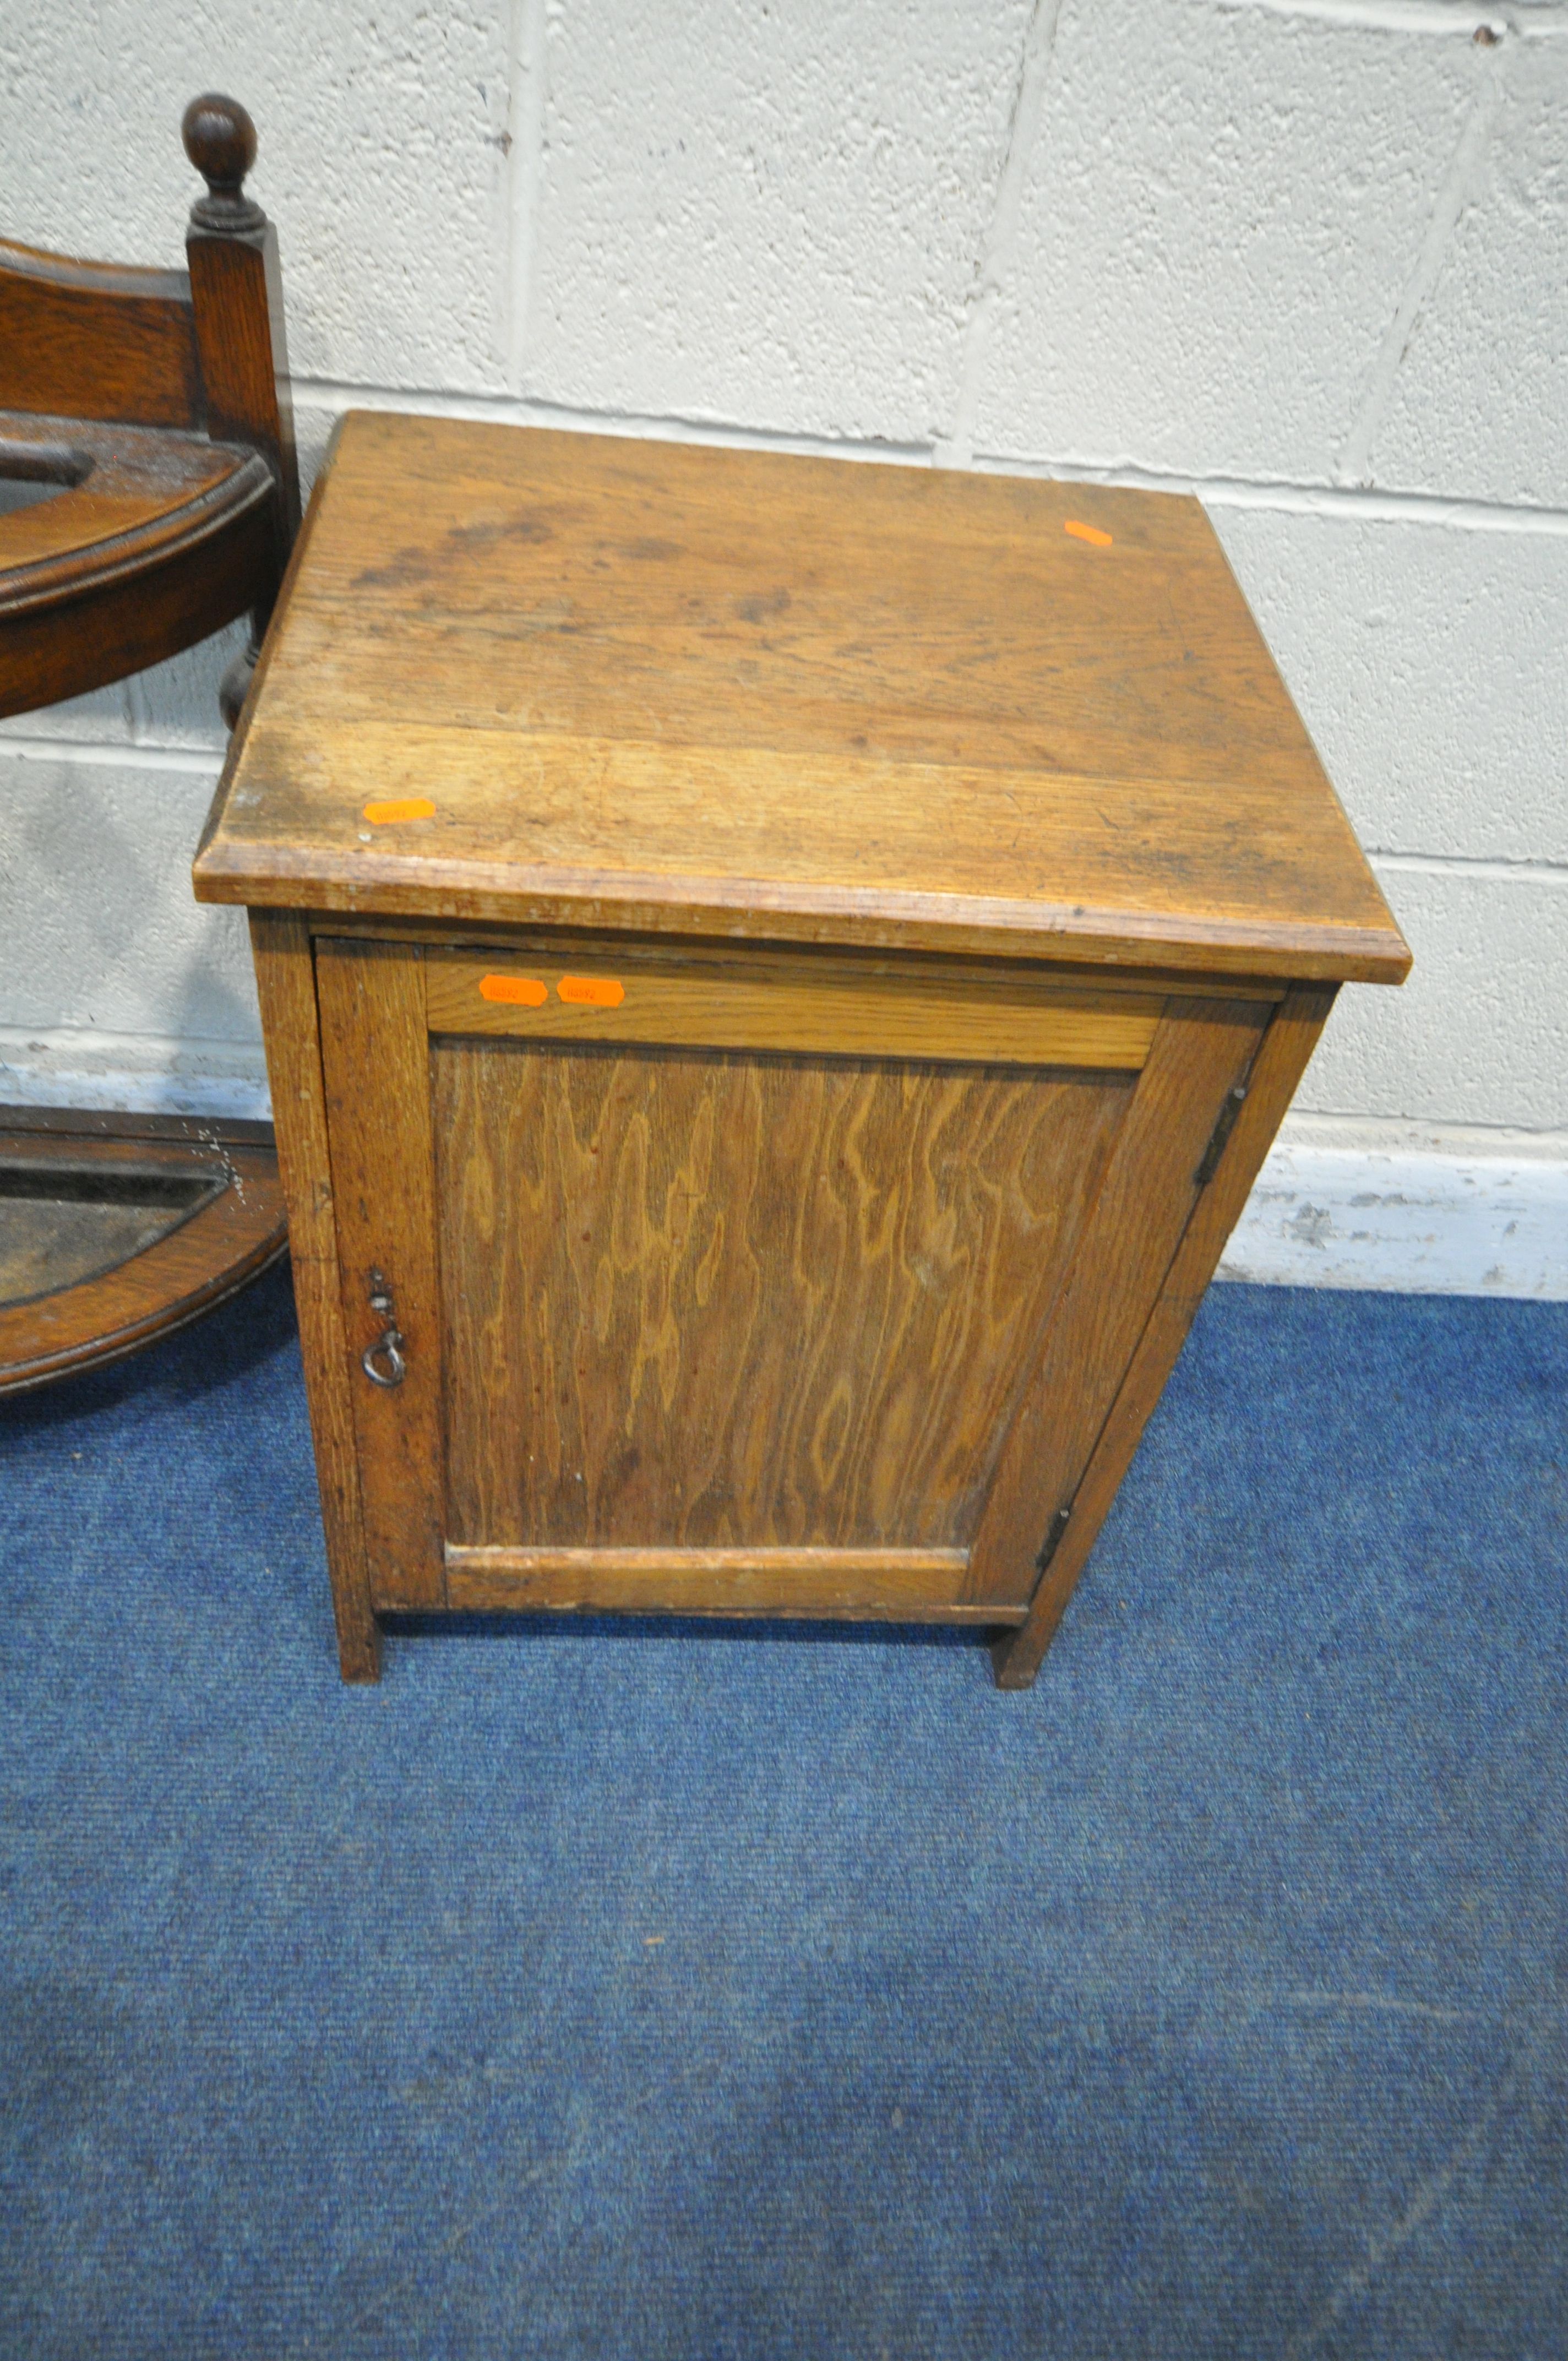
column 852, row 1585
column 710, row 1301
column 653, row 686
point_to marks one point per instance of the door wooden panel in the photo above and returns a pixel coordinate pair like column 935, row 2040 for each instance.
column 735, row 1330
column 716, row 1300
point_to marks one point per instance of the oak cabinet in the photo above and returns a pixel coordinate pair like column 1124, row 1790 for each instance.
column 778, row 977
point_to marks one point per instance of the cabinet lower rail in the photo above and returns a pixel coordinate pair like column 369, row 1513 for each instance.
column 916, row 1586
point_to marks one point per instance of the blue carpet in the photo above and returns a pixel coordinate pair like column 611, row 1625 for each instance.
column 641, row 1993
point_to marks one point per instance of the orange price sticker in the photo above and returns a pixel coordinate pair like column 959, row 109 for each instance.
column 592, row 991
column 517, row 991
column 1093, row 533
column 400, row 808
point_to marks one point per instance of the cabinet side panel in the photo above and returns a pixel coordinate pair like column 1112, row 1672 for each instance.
column 716, row 1300
column 1291, row 1037
column 1202, row 1050
column 375, row 1064
column 286, row 985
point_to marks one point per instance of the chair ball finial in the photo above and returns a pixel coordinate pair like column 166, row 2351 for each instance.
column 220, row 140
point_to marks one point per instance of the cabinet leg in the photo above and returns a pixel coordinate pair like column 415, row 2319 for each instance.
column 358, row 1637
column 285, row 980
column 1016, row 1656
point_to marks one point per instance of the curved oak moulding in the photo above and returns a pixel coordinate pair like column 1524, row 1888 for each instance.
column 116, row 1230
column 118, row 546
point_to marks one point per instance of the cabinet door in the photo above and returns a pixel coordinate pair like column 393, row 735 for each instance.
column 745, row 1282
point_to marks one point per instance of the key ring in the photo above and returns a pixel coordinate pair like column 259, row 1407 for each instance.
column 391, row 1346
column 388, row 1344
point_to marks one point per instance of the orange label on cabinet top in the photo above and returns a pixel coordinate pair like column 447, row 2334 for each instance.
column 400, row 808
column 592, row 991
column 1094, row 533
column 520, row 991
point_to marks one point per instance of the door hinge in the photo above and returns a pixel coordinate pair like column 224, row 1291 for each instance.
column 1230, row 1108
column 1054, row 1532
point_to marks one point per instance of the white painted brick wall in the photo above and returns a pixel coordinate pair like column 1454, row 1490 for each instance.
column 767, row 215
column 1476, row 1034
column 1222, row 209
column 1429, row 666
column 1306, row 257
column 121, row 990
column 1480, row 402
column 382, row 160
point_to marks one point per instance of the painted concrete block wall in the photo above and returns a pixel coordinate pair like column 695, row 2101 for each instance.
column 1307, row 257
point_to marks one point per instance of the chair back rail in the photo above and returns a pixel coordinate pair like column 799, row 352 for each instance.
column 98, row 340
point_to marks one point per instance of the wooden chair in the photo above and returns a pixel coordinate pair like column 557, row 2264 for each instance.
column 148, row 495
column 147, row 449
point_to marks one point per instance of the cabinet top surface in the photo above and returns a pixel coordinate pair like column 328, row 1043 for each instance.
column 581, row 680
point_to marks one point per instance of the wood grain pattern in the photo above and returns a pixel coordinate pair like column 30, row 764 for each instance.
column 371, row 998
column 720, row 1301
column 285, row 982
column 593, row 586
column 1280, row 1062
column 97, row 339
column 752, row 1002
column 1200, row 1051
column 861, row 1586
column 676, row 690
column 237, row 291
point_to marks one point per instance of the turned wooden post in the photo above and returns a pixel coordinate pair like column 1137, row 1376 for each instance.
column 237, row 293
